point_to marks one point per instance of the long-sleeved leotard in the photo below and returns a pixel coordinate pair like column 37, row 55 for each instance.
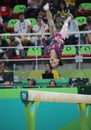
column 53, row 45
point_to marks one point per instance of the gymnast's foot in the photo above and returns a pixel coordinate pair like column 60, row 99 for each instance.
column 46, row 6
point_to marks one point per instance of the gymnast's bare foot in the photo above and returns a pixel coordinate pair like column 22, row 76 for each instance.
column 46, row 6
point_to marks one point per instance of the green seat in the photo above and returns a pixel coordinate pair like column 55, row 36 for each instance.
column 11, row 23
column 81, row 20
column 33, row 51
column 85, row 50
column 19, row 8
column 85, row 6
column 45, row 82
column 6, row 38
column 69, row 50
column 33, row 21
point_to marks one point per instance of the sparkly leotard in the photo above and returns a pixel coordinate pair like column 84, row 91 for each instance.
column 53, row 45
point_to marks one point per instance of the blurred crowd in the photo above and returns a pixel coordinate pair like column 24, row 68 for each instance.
column 34, row 9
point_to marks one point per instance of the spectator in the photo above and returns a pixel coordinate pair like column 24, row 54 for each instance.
column 37, row 29
column 42, row 13
column 88, row 28
column 72, row 5
column 48, row 70
column 58, row 22
column 63, row 10
column 85, row 38
column 72, row 39
column 52, row 83
column 7, row 84
column 2, row 67
column 34, row 6
column 18, row 50
column 35, row 3
column 23, row 26
column 89, row 21
column 31, row 82
column 87, row 35
column 3, row 43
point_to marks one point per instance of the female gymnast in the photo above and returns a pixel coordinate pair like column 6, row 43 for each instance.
column 54, row 50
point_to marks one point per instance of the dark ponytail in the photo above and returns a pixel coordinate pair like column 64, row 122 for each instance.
column 60, row 62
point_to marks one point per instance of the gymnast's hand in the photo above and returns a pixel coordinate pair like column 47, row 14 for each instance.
column 59, row 40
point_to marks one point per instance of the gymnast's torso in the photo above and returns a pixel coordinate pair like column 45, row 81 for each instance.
column 54, row 45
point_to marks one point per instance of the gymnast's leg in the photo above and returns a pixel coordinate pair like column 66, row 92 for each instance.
column 65, row 27
column 50, row 20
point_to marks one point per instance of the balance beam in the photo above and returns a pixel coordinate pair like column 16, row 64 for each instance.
column 30, row 95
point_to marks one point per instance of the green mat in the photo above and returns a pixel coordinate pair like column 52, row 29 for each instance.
column 15, row 93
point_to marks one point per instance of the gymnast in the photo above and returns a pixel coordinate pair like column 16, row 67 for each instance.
column 54, row 50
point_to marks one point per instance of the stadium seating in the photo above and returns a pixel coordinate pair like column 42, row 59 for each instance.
column 11, row 23
column 33, row 51
column 4, row 11
column 33, row 21
column 85, row 6
column 69, row 51
column 45, row 82
column 46, row 56
column 17, row 9
column 6, row 2
column 84, row 9
column 81, row 20
column 85, row 51
column 15, row 57
column 5, row 37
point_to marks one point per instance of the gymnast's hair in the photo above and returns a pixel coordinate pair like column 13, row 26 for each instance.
column 60, row 61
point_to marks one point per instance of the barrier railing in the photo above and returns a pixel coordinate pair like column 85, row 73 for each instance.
column 36, row 59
